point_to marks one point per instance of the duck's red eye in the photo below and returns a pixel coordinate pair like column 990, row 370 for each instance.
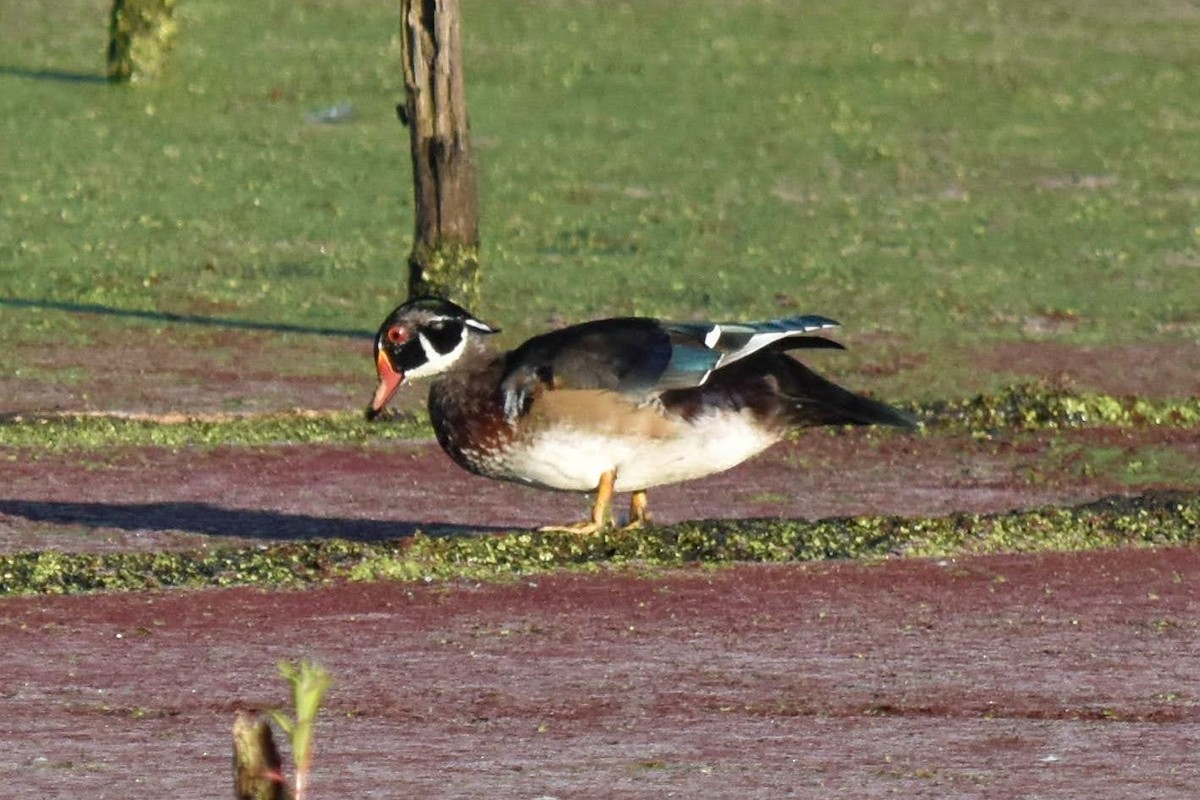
column 397, row 335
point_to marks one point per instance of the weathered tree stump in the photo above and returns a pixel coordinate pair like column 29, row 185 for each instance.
column 140, row 33
column 445, row 254
column 257, row 766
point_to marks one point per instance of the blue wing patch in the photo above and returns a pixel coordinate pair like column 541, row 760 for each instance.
column 689, row 366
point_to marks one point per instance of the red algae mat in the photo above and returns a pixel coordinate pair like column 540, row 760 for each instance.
column 1067, row 676
column 153, row 498
column 1055, row 675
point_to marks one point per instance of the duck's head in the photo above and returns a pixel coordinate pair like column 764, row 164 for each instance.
column 420, row 338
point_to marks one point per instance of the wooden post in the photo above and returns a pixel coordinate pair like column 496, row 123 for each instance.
column 140, row 33
column 257, row 767
column 445, row 254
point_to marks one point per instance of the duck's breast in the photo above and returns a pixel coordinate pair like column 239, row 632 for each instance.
column 570, row 438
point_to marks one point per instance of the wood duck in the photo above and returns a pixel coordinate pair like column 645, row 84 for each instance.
column 614, row 405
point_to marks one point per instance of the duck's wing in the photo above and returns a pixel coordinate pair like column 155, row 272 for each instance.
column 631, row 355
column 641, row 357
column 733, row 341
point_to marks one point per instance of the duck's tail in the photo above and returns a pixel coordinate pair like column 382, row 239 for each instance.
column 817, row 401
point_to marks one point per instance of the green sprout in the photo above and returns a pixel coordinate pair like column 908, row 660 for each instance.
column 309, row 682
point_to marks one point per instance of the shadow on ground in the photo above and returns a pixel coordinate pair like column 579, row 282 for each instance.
column 211, row 520
column 55, row 75
column 183, row 319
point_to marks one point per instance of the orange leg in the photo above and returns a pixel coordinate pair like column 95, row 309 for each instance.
column 638, row 515
column 600, row 509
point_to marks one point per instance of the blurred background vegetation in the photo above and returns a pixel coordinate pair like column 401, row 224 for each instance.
column 939, row 175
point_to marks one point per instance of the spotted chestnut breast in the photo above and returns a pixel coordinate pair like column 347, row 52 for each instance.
column 471, row 422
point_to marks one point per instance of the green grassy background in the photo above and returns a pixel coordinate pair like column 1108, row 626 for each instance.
column 933, row 174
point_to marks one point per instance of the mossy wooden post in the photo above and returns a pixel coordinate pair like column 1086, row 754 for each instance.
column 257, row 767
column 445, row 254
column 140, row 33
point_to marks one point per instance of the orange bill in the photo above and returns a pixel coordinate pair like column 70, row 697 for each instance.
column 389, row 381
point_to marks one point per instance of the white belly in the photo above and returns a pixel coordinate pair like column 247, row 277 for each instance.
column 574, row 460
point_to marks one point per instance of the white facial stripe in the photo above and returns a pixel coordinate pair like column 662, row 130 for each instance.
column 436, row 362
column 479, row 326
column 712, row 337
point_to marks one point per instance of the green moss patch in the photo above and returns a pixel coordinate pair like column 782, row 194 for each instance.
column 85, row 432
column 1029, row 407
column 1040, row 406
column 54, row 572
column 1158, row 519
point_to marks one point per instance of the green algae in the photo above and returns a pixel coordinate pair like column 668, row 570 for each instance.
column 1149, row 520
column 282, row 565
column 1026, row 407
column 1041, row 406
column 91, row 432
